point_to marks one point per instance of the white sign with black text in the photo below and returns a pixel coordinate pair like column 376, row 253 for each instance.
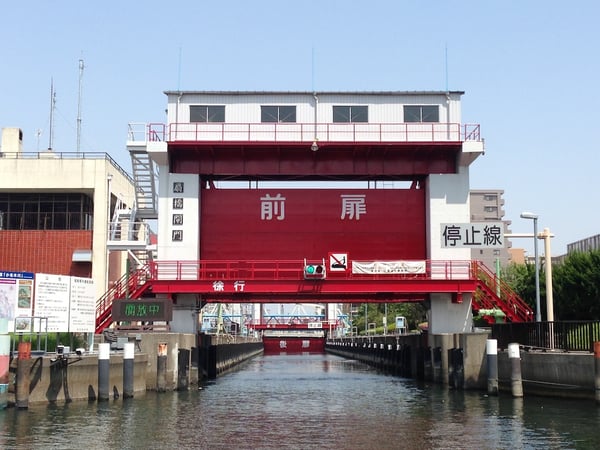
column 472, row 235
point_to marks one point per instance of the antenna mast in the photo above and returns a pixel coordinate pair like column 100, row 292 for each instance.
column 81, row 66
column 52, row 106
column 446, row 63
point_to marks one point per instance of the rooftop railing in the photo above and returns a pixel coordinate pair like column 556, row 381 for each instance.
column 304, row 132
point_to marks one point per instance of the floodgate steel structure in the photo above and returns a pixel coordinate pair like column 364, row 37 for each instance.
column 311, row 197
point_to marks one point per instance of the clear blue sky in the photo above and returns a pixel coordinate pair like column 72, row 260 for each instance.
column 529, row 70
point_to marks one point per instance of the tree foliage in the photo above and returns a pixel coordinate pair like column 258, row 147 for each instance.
column 415, row 313
column 575, row 282
column 521, row 278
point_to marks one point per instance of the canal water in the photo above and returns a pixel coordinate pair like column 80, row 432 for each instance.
column 307, row 402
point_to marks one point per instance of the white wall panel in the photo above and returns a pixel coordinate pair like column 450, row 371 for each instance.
column 383, row 107
column 188, row 247
column 447, row 201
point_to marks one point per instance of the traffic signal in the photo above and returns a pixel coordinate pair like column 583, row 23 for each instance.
column 314, row 271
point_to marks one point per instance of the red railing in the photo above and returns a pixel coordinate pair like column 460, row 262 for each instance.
column 492, row 293
column 310, row 132
column 294, row 269
column 128, row 286
column 496, row 293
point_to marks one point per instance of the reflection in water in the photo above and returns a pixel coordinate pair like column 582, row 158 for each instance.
column 307, row 402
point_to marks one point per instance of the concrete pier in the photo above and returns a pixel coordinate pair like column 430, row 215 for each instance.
column 130, row 370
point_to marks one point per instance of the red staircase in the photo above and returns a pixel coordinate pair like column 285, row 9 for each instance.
column 492, row 292
column 130, row 285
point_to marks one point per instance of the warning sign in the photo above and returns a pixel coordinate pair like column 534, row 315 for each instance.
column 338, row 262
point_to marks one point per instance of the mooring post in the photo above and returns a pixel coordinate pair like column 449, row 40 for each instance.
column 597, row 370
column 23, row 368
column 516, row 383
column 128, row 362
column 161, row 368
column 491, row 347
column 103, row 371
column 183, row 367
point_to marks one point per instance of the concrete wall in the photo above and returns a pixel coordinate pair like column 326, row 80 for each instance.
column 175, row 341
column 61, row 381
column 228, row 356
column 474, row 359
column 543, row 373
column 557, row 374
column 53, row 380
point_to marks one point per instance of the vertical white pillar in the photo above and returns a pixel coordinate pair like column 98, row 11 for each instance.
column 548, row 268
column 516, row 382
column 491, row 348
column 128, row 362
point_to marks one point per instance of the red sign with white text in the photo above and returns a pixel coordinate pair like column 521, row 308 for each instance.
column 287, row 224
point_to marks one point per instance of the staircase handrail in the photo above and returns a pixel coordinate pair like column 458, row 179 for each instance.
column 125, row 287
column 504, row 297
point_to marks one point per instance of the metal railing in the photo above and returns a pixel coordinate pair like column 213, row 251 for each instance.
column 305, row 132
column 567, row 336
column 129, row 231
column 294, row 270
column 495, row 292
column 125, row 287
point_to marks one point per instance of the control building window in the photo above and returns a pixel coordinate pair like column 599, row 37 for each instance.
column 350, row 113
column 269, row 114
column 46, row 212
column 421, row 113
column 207, row 113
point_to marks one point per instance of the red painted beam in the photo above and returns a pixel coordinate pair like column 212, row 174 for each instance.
column 325, row 291
column 244, row 159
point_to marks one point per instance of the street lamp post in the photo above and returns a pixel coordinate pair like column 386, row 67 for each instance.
column 534, row 217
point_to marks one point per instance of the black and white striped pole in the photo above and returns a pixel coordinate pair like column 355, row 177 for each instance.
column 516, row 382
column 128, row 362
column 491, row 347
column 103, row 371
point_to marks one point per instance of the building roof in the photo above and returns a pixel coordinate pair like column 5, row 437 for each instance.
column 383, row 93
